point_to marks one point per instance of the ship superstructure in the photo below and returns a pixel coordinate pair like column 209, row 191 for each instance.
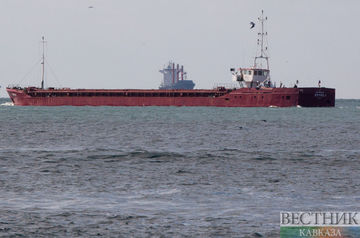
column 175, row 78
column 256, row 76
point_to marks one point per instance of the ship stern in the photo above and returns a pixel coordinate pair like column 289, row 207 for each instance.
column 316, row 97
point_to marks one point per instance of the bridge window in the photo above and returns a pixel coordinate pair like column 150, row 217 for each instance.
column 287, row 97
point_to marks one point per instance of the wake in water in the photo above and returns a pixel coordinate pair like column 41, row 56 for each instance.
column 7, row 104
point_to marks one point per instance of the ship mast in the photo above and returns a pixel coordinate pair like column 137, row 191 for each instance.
column 43, row 62
column 262, row 35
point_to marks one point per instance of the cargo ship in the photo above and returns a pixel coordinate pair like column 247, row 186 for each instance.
column 255, row 89
column 175, row 78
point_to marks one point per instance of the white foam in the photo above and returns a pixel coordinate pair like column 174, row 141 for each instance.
column 7, row 104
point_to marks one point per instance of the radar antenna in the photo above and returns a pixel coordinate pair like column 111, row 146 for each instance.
column 260, row 41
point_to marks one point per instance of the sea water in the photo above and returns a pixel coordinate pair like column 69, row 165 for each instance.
column 173, row 171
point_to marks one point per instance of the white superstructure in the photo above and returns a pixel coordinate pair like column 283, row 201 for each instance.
column 175, row 77
column 257, row 75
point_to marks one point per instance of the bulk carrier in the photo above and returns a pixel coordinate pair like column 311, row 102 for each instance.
column 256, row 89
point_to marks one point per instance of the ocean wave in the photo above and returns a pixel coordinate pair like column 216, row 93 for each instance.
column 7, row 104
column 157, row 157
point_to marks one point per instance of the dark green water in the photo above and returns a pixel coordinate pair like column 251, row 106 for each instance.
column 173, row 171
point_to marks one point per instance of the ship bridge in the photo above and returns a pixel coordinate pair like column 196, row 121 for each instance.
column 253, row 77
column 256, row 76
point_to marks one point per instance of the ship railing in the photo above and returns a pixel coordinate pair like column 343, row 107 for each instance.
column 15, row 86
column 226, row 85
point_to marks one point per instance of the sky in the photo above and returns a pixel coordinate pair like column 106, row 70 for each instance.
column 124, row 43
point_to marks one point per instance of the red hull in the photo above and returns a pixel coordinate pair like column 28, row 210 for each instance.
column 244, row 97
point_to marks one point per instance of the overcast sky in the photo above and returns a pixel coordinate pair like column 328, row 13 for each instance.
column 124, row 43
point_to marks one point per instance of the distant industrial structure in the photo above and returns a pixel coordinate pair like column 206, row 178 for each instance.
column 175, row 78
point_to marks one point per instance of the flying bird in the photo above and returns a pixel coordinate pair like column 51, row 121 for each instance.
column 252, row 25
